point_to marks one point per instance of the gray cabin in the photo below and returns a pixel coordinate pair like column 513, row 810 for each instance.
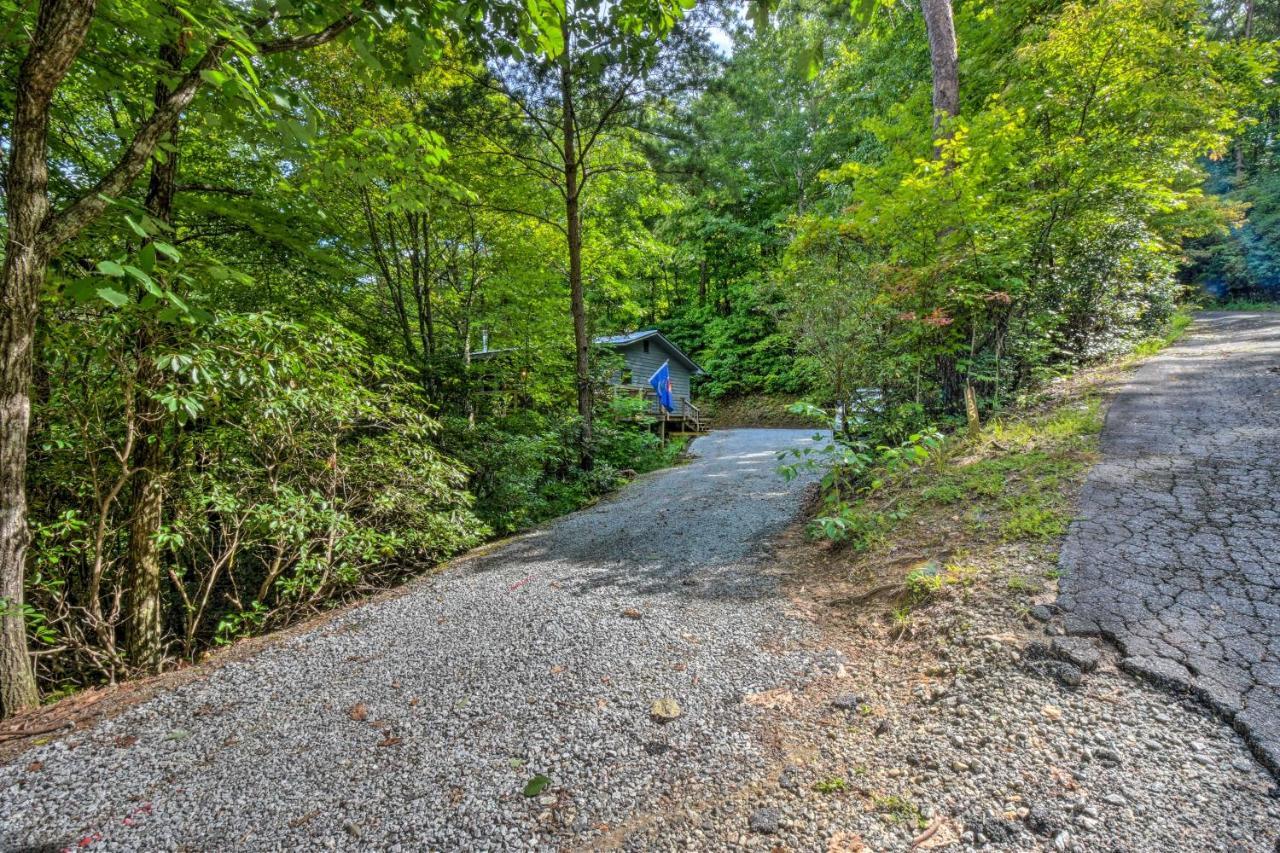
column 643, row 353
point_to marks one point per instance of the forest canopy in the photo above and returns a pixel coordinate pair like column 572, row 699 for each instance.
column 300, row 298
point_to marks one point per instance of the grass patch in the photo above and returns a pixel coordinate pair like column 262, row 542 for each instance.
column 1177, row 327
column 1245, row 305
column 969, row 520
column 1010, row 482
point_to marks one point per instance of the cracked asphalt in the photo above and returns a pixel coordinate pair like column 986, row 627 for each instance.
column 1173, row 552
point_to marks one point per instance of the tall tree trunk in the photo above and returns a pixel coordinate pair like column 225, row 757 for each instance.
column 1247, row 34
column 144, row 617
column 59, row 34
column 941, row 28
column 573, row 228
column 942, row 57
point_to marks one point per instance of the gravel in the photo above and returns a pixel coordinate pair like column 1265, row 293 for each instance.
column 513, row 666
column 994, row 757
column 507, row 706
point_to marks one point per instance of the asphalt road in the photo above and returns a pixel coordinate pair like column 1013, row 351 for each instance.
column 1175, row 553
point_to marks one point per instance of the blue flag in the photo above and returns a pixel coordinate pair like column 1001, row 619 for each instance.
column 661, row 382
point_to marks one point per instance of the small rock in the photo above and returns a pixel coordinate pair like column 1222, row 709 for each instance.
column 764, row 820
column 351, row 829
column 665, row 710
column 1077, row 651
column 847, row 701
column 788, row 780
column 1062, row 840
column 1039, row 821
column 1067, row 674
column 1040, row 613
column 1106, row 755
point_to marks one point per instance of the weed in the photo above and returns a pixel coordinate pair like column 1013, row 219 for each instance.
column 897, row 809
column 833, row 785
column 923, row 582
column 1020, row 585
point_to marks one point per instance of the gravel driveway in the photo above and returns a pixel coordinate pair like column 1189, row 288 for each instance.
column 418, row 721
column 1174, row 553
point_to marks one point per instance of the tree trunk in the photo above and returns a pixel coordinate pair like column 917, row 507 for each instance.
column 1248, row 34
column 573, row 229
column 942, row 56
column 59, row 34
column 144, row 617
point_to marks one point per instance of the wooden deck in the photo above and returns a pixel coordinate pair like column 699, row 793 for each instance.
column 686, row 418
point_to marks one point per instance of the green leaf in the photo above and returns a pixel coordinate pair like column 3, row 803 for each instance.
column 147, row 257
column 167, row 250
column 115, row 297
column 110, row 268
column 137, row 229
column 536, row 785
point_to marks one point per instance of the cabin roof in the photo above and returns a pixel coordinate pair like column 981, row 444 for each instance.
column 636, row 337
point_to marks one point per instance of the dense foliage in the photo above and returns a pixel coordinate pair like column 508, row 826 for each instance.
column 332, row 328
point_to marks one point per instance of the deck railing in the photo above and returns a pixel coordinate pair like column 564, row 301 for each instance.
column 685, row 411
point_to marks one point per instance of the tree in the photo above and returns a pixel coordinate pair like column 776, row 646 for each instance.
column 606, row 67
column 37, row 232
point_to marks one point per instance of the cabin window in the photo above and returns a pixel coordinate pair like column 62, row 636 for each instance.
column 646, row 346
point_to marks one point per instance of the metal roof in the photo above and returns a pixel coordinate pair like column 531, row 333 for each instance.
column 636, row 337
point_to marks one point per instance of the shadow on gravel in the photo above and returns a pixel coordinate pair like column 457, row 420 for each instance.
column 694, row 531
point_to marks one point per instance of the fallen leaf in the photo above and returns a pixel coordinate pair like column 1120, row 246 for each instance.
column 632, row 613
column 1051, row 712
column 413, row 703
column 557, row 669
column 680, row 667
column 389, row 740
column 846, row 842
column 35, row 766
column 124, row 741
column 536, row 785
column 778, row 697
column 358, row 712
column 665, row 710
